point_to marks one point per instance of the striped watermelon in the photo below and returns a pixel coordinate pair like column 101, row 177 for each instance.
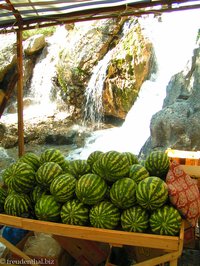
column 135, row 219
column 132, row 158
column 138, row 172
column 152, row 193
column 93, row 157
column 157, row 164
column 111, row 166
column 32, row 159
column 3, row 195
column 18, row 204
column 63, row 187
column 47, row 172
column 19, row 177
column 90, row 189
column 123, row 193
column 65, row 166
column 165, row 221
column 78, row 168
column 52, row 155
column 47, row 209
column 37, row 193
column 104, row 215
column 74, row 212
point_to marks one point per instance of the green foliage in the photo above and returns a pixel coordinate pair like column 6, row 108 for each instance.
column 47, row 31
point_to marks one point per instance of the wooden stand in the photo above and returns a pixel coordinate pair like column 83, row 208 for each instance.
column 172, row 245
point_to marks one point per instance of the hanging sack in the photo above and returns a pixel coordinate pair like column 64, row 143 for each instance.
column 183, row 193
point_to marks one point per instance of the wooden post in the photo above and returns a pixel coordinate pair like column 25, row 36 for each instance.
column 20, row 93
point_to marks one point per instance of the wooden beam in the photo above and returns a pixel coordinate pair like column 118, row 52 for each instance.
column 20, row 93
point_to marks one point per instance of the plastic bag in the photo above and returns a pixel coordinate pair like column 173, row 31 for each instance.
column 43, row 245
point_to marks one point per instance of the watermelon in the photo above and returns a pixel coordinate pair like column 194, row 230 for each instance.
column 123, row 193
column 138, row 172
column 132, row 158
column 78, row 168
column 3, row 195
column 74, row 212
column 152, row 193
column 111, row 166
column 165, row 221
column 65, row 166
column 104, row 215
column 93, row 157
column 37, row 193
column 19, row 177
column 18, row 204
column 48, row 209
column 47, row 172
column 63, row 187
column 157, row 164
column 135, row 219
column 52, row 155
column 90, row 189
column 32, row 159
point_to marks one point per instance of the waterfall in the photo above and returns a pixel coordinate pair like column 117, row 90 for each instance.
column 93, row 93
column 174, row 40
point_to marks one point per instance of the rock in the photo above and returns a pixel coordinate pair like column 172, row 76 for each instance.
column 2, row 131
column 34, row 44
column 177, row 125
column 8, row 55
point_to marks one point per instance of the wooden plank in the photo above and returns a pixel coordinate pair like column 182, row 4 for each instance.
column 95, row 234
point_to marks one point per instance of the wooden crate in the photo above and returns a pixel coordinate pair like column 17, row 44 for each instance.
column 173, row 245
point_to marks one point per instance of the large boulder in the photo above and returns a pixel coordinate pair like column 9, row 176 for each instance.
column 34, row 44
column 8, row 54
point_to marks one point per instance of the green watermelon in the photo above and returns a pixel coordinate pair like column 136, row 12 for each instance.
column 19, row 177
column 48, row 209
column 135, row 219
column 37, row 193
column 132, row 158
column 123, row 193
column 104, row 215
column 65, row 166
column 78, row 168
column 165, row 221
column 63, row 187
column 93, row 157
column 111, row 166
column 47, row 172
column 138, row 172
column 74, row 212
column 152, row 193
column 32, row 159
column 52, row 155
column 18, row 204
column 90, row 189
column 157, row 164
column 3, row 195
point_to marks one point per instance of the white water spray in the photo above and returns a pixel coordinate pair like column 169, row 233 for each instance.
column 94, row 105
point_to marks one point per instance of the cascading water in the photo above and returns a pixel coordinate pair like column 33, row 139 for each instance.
column 93, row 107
column 174, row 40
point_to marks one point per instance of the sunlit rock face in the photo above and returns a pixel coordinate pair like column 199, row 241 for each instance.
column 132, row 63
column 8, row 55
column 177, row 125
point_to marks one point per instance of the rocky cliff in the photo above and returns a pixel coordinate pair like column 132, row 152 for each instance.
column 177, row 125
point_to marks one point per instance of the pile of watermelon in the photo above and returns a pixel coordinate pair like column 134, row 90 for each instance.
column 110, row 190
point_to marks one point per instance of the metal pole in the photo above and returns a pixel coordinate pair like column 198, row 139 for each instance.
column 20, row 93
